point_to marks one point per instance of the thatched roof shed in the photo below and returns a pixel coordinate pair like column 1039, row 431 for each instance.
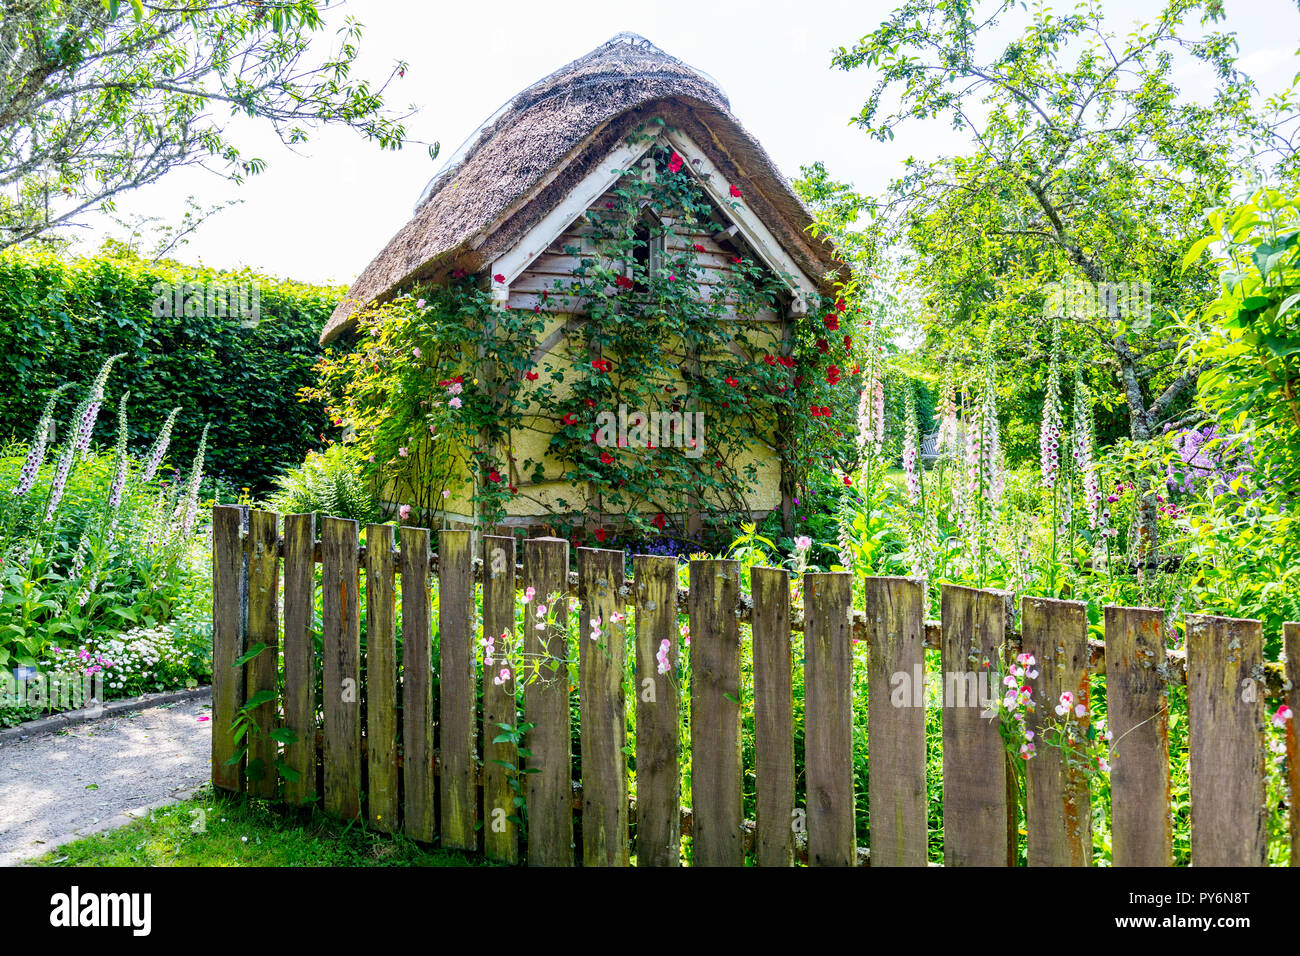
column 524, row 163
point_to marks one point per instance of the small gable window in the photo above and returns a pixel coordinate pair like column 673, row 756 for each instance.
column 647, row 247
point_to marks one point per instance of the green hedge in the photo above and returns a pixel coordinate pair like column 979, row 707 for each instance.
column 60, row 318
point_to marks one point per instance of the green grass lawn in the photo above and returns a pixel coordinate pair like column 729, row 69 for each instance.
column 215, row 829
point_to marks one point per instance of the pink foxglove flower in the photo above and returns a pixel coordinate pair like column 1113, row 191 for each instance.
column 159, row 448
column 40, row 442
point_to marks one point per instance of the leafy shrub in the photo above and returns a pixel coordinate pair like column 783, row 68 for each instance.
column 60, row 316
column 330, row 483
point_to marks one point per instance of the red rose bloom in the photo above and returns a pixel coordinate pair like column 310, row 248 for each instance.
column 832, row 322
column 674, row 163
column 847, row 481
column 601, row 534
column 499, row 278
column 700, row 248
column 736, row 260
column 823, row 346
column 769, row 360
column 570, row 419
column 659, row 520
column 606, row 458
column 623, row 282
column 731, row 381
column 848, row 343
column 531, row 376
column 832, row 375
column 735, row 192
column 840, row 305
column 494, row 475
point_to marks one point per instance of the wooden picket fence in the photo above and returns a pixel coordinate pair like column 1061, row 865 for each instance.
column 442, row 770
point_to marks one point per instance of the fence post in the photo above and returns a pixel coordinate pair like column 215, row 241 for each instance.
column 341, row 683
column 1226, row 754
column 549, row 791
column 828, row 720
column 773, row 718
column 1137, row 714
column 1058, row 808
column 263, row 670
column 229, row 621
column 658, row 743
column 456, row 689
column 500, row 761
column 417, row 686
column 896, row 721
column 1291, row 645
column 716, row 766
column 300, row 655
column 976, row 800
column 603, row 709
column 381, row 678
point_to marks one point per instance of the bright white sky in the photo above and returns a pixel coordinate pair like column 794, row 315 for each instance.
column 322, row 214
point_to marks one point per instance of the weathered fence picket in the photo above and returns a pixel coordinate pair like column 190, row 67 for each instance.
column 1291, row 648
column 976, row 803
column 457, row 686
column 341, row 684
column 381, row 678
column 1058, row 810
column 603, row 710
column 448, row 754
column 229, row 621
column 264, row 667
column 300, row 657
column 549, row 787
column 828, row 732
column 417, row 686
column 1225, row 760
column 500, row 759
column 896, row 721
column 773, row 719
column 658, row 747
column 1137, row 712
column 716, row 803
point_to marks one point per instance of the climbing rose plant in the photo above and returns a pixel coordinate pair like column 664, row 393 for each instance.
column 444, row 383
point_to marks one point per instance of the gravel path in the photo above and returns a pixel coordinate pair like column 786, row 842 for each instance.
column 99, row 775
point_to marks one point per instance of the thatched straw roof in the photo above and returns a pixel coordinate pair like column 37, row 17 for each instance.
column 527, row 158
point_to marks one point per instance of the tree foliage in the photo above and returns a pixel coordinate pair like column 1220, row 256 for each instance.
column 1086, row 165
column 98, row 97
